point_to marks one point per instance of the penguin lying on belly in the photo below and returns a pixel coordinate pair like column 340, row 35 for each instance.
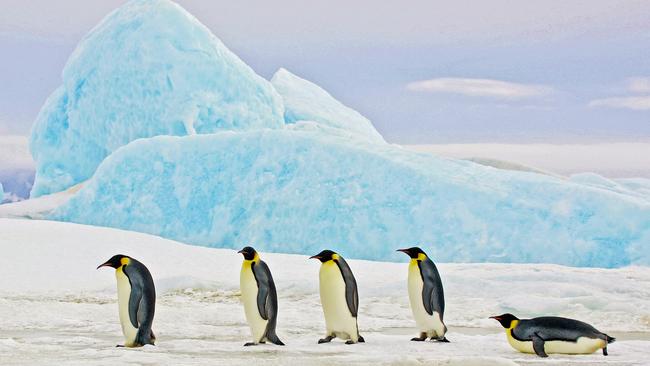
column 136, row 297
column 339, row 298
column 551, row 334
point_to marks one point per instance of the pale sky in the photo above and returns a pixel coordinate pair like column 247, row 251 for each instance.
column 422, row 71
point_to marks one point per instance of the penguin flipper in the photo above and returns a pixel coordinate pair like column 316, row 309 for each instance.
column 538, row 345
column 432, row 293
column 135, row 300
column 263, row 278
column 351, row 292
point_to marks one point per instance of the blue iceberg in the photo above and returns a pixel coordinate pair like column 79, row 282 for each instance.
column 302, row 191
column 149, row 68
column 178, row 137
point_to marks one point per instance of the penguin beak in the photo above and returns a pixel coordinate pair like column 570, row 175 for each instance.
column 107, row 264
column 314, row 257
column 403, row 250
column 497, row 318
column 241, row 251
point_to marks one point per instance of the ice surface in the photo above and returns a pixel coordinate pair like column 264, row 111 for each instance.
column 199, row 319
column 149, row 68
column 300, row 191
column 306, row 101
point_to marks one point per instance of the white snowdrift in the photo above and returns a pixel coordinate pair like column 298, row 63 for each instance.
column 58, row 309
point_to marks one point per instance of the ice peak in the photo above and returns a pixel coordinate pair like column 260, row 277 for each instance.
column 148, row 68
column 306, row 101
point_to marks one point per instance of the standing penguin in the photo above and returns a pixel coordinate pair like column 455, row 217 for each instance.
column 550, row 334
column 136, row 297
column 426, row 295
column 259, row 297
column 339, row 297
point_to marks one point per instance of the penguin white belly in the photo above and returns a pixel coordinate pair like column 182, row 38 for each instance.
column 430, row 324
column 123, row 296
column 584, row 345
column 248, row 286
column 338, row 319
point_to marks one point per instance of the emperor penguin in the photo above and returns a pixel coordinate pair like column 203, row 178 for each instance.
column 550, row 334
column 426, row 296
column 259, row 297
column 339, row 298
column 136, row 297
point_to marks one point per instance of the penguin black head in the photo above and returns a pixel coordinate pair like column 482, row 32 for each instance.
column 248, row 253
column 116, row 261
column 325, row 255
column 413, row 252
column 505, row 319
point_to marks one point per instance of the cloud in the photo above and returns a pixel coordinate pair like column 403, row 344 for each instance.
column 479, row 88
column 639, row 84
column 641, row 103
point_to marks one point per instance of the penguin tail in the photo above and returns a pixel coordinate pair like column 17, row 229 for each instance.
column 273, row 338
column 142, row 340
column 609, row 339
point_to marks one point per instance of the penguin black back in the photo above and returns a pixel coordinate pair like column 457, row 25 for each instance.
column 551, row 328
column 142, row 304
column 267, row 299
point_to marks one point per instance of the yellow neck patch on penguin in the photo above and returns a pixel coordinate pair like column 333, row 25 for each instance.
column 420, row 258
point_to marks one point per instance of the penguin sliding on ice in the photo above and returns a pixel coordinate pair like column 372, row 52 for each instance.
column 551, row 334
column 339, row 298
column 259, row 298
column 136, row 297
column 426, row 296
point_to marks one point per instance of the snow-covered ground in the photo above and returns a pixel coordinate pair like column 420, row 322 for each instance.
column 56, row 308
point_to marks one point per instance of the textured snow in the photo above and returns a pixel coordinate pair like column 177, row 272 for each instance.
column 60, row 310
column 295, row 191
column 149, row 68
column 306, row 101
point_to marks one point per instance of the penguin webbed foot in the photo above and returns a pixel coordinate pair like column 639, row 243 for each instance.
column 326, row 339
column 605, row 351
column 421, row 338
column 248, row 344
column 120, row 346
column 361, row 340
column 349, row 341
column 443, row 340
